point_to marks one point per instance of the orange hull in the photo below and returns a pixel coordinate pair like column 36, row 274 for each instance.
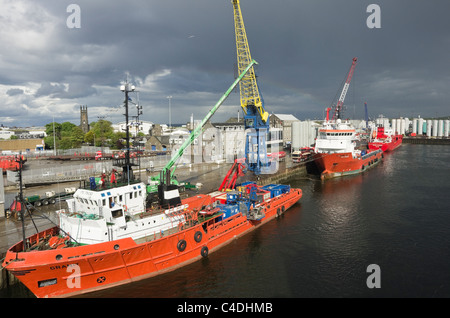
column 75, row 270
column 387, row 146
column 341, row 164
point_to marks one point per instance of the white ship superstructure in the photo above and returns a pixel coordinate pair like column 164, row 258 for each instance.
column 114, row 213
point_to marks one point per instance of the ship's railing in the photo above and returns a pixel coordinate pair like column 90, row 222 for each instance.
column 370, row 154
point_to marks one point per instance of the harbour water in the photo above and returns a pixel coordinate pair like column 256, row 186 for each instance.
column 396, row 215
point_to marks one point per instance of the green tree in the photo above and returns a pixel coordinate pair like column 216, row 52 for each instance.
column 77, row 137
column 56, row 127
column 89, row 137
column 117, row 140
column 102, row 131
column 67, row 129
column 65, row 143
column 67, row 135
column 49, row 142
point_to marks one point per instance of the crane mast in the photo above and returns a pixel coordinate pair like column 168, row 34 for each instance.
column 340, row 103
column 255, row 117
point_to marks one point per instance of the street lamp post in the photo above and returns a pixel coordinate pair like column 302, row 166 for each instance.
column 54, row 137
column 170, row 112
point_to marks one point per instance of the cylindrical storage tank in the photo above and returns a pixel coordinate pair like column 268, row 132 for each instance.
column 302, row 134
column 307, row 133
column 440, row 131
column 414, row 126
column 394, row 126
column 429, row 127
column 446, row 128
column 402, row 126
column 398, row 125
column 312, row 133
column 420, row 127
column 434, row 128
column 295, row 135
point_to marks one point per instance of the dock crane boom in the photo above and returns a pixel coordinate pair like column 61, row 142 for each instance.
column 255, row 117
column 248, row 87
column 340, row 103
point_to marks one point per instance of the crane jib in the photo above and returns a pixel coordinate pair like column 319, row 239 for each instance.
column 196, row 132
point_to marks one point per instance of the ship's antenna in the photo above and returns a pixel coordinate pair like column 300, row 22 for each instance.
column 19, row 160
column 127, row 170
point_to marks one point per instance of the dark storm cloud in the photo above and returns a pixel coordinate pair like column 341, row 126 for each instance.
column 48, row 89
column 14, row 91
column 186, row 49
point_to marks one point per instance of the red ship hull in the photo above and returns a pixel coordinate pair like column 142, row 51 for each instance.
column 387, row 146
column 76, row 270
column 332, row 165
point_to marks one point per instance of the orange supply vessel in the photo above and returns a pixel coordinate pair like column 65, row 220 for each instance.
column 386, row 140
column 109, row 236
column 335, row 153
column 116, row 234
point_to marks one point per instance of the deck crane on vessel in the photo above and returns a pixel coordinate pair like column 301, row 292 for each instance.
column 339, row 105
column 256, row 119
column 167, row 190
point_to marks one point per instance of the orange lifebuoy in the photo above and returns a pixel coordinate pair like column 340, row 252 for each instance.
column 125, row 208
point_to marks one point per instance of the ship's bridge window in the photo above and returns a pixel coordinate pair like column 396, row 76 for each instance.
column 117, row 213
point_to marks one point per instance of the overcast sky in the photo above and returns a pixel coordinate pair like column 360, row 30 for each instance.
column 186, row 49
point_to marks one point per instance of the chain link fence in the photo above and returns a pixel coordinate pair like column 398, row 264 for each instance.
column 81, row 171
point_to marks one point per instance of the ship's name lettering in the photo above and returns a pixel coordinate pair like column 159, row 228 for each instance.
column 62, row 266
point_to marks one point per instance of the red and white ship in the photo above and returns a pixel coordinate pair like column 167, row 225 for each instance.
column 335, row 149
column 386, row 140
column 335, row 153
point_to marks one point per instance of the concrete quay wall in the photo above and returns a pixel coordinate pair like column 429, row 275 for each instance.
column 426, row 141
column 284, row 174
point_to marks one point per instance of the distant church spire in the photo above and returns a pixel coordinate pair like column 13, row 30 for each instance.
column 84, row 123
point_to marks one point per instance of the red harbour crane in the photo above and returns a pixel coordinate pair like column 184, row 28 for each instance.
column 340, row 102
